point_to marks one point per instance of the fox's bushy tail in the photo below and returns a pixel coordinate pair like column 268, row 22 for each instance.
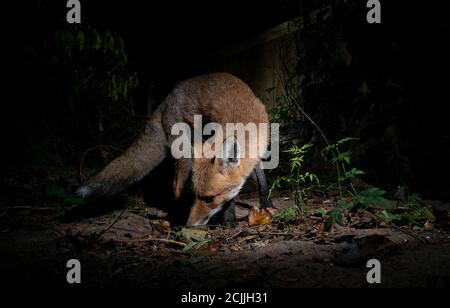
column 138, row 160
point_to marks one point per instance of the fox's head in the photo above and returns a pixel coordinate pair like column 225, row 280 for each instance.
column 217, row 180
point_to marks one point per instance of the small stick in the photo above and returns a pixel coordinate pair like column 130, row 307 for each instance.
column 162, row 240
column 233, row 236
column 275, row 233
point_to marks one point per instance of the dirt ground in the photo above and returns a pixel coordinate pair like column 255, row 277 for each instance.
column 138, row 247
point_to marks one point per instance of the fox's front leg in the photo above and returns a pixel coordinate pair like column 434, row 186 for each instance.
column 263, row 187
column 229, row 214
column 183, row 167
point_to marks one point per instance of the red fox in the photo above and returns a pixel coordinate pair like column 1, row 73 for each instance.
column 220, row 98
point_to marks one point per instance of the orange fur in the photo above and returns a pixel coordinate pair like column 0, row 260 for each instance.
column 221, row 98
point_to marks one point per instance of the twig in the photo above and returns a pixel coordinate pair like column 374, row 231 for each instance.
column 162, row 240
column 410, row 234
column 235, row 235
column 113, row 223
column 275, row 233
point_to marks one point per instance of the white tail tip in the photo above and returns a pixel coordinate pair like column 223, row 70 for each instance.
column 84, row 192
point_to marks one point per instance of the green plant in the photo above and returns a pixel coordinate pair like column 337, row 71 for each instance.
column 98, row 80
column 299, row 182
column 341, row 159
column 317, row 85
column 195, row 237
column 287, row 215
column 372, row 197
column 350, row 200
column 409, row 211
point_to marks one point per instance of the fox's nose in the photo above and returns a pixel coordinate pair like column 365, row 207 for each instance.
column 199, row 215
column 198, row 223
column 192, row 222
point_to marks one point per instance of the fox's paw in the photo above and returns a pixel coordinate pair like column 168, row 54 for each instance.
column 229, row 215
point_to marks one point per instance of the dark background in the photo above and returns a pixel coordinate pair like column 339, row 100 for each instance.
column 44, row 136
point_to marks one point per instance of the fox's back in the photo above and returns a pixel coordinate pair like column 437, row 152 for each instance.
column 218, row 97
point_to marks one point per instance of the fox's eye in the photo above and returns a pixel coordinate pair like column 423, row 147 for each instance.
column 207, row 199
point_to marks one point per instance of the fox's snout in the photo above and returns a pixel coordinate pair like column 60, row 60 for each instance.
column 200, row 213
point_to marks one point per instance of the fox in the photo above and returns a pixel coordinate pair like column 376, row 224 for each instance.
column 214, row 181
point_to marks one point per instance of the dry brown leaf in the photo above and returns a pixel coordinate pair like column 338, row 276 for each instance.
column 258, row 216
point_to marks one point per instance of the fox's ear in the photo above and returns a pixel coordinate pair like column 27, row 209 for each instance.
column 230, row 153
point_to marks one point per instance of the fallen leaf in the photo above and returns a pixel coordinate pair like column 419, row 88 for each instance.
column 258, row 216
column 195, row 237
column 194, row 234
